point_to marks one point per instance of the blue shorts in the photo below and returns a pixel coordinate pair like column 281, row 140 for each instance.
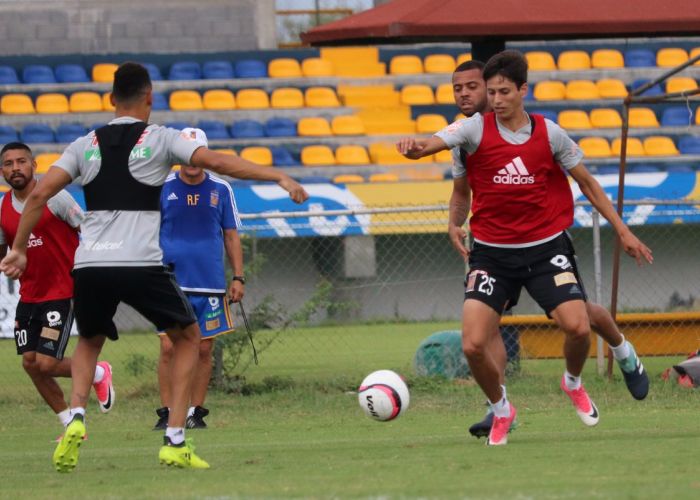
column 213, row 314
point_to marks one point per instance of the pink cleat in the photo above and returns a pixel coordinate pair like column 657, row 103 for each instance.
column 498, row 436
column 585, row 408
column 104, row 389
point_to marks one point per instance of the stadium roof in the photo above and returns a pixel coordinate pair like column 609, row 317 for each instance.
column 478, row 20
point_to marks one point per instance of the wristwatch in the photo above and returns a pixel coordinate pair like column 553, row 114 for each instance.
column 239, row 278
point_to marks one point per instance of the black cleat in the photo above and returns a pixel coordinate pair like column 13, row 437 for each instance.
column 196, row 420
column 163, row 414
column 636, row 379
column 483, row 428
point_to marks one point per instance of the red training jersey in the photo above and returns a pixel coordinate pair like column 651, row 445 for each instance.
column 519, row 193
column 50, row 254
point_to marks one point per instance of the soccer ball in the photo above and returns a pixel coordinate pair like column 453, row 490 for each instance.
column 383, row 395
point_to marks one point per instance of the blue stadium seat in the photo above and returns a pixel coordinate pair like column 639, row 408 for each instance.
column 689, row 145
column 313, row 179
column 676, row 116
column 530, row 96
column 547, row 113
column 37, row 133
column 178, row 125
column 160, row 102
column 185, row 70
column 679, row 168
column 280, row 127
column 8, row 75
column 153, row 71
column 217, row 70
column 71, row 73
column 247, row 129
column 68, row 132
column 640, row 168
column 639, row 58
column 608, row 169
column 8, row 134
column 250, row 68
column 214, row 129
column 282, row 157
column 38, row 73
column 655, row 90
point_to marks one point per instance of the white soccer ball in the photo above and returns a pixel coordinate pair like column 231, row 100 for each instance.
column 383, row 395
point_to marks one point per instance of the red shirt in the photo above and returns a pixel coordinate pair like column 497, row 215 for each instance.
column 519, row 193
column 50, row 254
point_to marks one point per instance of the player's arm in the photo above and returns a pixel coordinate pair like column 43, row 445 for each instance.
column 596, row 195
column 415, row 149
column 234, row 252
column 460, row 202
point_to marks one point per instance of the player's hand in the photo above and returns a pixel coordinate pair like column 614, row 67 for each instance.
column 411, row 148
column 14, row 264
column 236, row 290
column 636, row 249
column 457, row 236
column 296, row 192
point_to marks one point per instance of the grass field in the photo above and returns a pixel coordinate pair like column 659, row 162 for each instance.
column 306, row 437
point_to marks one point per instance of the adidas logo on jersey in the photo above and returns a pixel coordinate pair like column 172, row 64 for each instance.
column 172, row 197
column 34, row 241
column 514, row 173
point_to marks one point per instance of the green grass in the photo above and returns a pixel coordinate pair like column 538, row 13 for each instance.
column 311, row 439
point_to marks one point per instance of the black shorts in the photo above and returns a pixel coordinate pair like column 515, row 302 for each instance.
column 43, row 327
column 151, row 290
column 547, row 271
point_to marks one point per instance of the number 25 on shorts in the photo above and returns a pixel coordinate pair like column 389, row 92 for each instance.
column 480, row 281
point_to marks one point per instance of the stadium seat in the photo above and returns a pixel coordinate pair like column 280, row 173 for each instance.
column 689, row 145
column 549, row 114
column 250, row 68
column 153, row 71
column 573, row 60
column 313, row 127
column 407, row 64
column 104, row 72
column 214, row 129
column 595, row 147
column 281, row 157
column 280, row 127
column 573, row 119
column 383, row 177
column 317, row 67
column 443, row 156
column 430, row 123
column 639, row 58
column 530, row 96
column 350, row 154
column 660, row 146
column 693, row 54
column 608, row 170
column 697, row 116
column 160, row 102
column 550, row 91
column 257, row 154
column 16, row 104
column 417, row 94
column 676, row 116
column 642, row 168
column 580, row 90
column 313, row 179
column 217, row 70
column 671, row 57
column 611, row 88
column 85, row 102
column 38, row 73
column 44, row 161
column 347, row 125
column 651, row 91
column 52, row 104
column 252, row 99
column 227, row 151
column 244, row 129
column 107, row 102
column 607, row 59
column 444, row 94
column 287, row 98
column 321, row 97
column 8, row 134
column 439, row 63
column 68, row 132
column 186, row 100
column 348, row 179
column 218, row 99
column 284, row 67
column 464, row 58
column 37, row 133
column 8, row 76
column 605, row 118
column 185, row 70
column 634, row 147
column 317, row 155
column 540, row 61
column 643, row 118
column 680, row 84
column 679, row 168
column 71, row 73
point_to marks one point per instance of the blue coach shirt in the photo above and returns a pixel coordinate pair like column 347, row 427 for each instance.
column 193, row 219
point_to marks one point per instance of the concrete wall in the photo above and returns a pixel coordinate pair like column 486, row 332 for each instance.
column 157, row 26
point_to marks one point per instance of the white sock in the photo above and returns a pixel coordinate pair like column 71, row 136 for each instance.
column 190, row 412
column 622, row 351
column 572, row 382
column 501, row 408
column 64, row 416
column 176, row 435
column 99, row 373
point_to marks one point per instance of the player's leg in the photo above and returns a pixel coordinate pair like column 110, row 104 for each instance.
column 200, row 385
column 164, row 367
column 45, row 384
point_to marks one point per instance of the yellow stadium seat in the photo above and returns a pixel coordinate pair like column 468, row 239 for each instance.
column 459, row 116
column 671, row 57
column 186, row 100
column 540, row 61
column 347, row 125
column 697, row 116
column 176, row 168
column 257, row 154
column 354, row 61
column 607, row 59
column 550, row 91
column 595, row 147
column 406, row 65
column 287, row 97
column 443, row 156
column 634, row 147
column 218, row 99
column 321, row 97
column 313, row 127
column 605, row 118
column 107, row 102
column 104, row 72
column 680, row 84
column 317, row 67
column 376, row 148
column 388, row 155
column 284, row 67
column 574, row 119
column 16, row 104
column 464, row 58
column 85, row 102
column 417, row 94
column 348, row 179
column 695, row 53
column 313, row 156
column 350, row 154
column 444, row 94
column 44, row 161
column 573, row 60
column 611, row 88
column 430, row 123
column 51, row 103
column 660, row 146
column 383, row 177
column 227, row 151
column 642, row 117
column 252, row 99
column 581, row 90
column 439, row 63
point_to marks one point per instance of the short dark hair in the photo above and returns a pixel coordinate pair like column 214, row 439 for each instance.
column 469, row 65
column 131, row 80
column 509, row 64
column 14, row 145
